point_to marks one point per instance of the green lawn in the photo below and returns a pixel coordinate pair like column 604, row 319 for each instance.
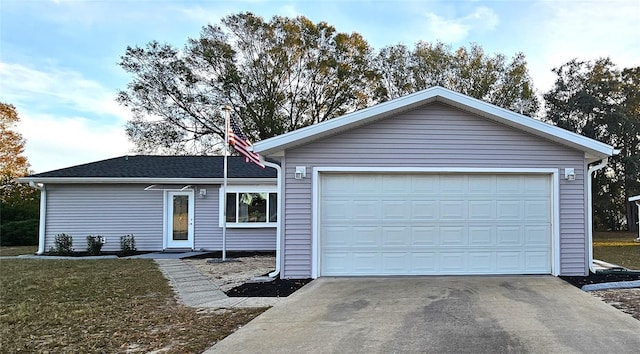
column 17, row 250
column 618, row 248
column 116, row 305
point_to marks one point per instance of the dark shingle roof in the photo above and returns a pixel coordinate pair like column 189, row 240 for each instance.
column 151, row 166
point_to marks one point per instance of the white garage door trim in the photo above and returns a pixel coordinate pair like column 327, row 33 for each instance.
column 555, row 187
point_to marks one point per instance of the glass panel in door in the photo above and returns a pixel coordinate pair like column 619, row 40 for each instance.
column 180, row 218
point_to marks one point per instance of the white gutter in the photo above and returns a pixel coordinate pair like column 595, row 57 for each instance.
column 146, row 180
column 43, row 214
column 280, row 217
column 590, row 172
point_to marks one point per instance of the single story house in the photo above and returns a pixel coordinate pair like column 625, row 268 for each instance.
column 166, row 202
column 435, row 182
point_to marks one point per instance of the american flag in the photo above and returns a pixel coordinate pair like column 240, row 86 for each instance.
column 242, row 144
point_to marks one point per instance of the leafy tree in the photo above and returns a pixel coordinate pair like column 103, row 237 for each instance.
column 18, row 203
column 470, row 71
column 288, row 73
column 278, row 76
column 598, row 100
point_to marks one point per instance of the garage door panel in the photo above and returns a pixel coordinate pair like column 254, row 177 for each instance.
column 508, row 209
column 481, row 236
column 336, row 210
column 537, row 210
column 481, row 262
column 509, row 261
column 340, row 236
column 395, row 263
column 424, row 236
column 384, row 224
column 453, row 262
column 537, row 235
column 366, row 262
column 508, row 236
column 366, row 236
column 482, row 185
column 424, row 262
column 453, row 184
column 426, row 210
column 481, row 210
column 395, row 210
column 452, row 236
column 453, row 210
column 396, row 236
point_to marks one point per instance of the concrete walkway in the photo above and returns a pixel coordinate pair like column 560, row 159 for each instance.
column 195, row 289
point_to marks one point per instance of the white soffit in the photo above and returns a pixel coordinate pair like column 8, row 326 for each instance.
column 371, row 114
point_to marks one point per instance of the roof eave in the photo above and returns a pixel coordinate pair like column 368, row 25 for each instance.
column 141, row 180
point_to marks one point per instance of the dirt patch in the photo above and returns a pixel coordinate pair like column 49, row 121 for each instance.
column 626, row 300
column 239, row 270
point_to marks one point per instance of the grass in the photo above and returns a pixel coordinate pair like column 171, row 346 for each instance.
column 17, row 250
column 117, row 305
column 618, row 248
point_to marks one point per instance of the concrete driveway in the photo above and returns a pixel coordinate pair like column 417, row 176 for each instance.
column 537, row 314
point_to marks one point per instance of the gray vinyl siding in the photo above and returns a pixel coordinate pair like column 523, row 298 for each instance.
column 107, row 210
column 113, row 210
column 208, row 233
column 435, row 135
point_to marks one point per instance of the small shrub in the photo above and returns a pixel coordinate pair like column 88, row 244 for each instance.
column 94, row 244
column 127, row 244
column 63, row 245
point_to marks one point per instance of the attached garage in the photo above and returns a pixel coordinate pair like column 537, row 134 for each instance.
column 428, row 223
column 434, row 183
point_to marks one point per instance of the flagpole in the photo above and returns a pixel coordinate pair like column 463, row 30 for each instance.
column 227, row 110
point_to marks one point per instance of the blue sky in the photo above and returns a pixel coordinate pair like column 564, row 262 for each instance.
column 58, row 58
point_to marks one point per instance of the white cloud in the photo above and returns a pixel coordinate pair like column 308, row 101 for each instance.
column 54, row 105
column 288, row 11
column 55, row 142
column 585, row 30
column 457, row 29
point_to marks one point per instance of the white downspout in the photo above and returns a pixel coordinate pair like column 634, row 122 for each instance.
column 279, row 214
column 591, row 170
column 43, row 214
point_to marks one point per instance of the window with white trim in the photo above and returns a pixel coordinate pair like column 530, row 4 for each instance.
column 250, row 206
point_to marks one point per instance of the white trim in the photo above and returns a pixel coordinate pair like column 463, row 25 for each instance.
column 190, row 243
column 183, row 181
column 635, row 198
column 279, row 223
column 246, row 189
column 554, row 173
column 275, row 145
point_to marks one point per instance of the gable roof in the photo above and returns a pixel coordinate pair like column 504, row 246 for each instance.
column 158, row 169
column 593, row 149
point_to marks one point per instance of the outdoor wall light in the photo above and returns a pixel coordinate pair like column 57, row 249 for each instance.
column 301, row 172
column 202, row 193
column 570, row 174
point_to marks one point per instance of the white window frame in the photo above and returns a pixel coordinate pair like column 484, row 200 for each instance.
column 245, row 189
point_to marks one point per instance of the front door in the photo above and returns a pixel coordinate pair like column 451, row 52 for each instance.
column 179, row 220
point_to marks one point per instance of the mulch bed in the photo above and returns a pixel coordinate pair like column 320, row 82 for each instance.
column 598, row 278
column 276, row 288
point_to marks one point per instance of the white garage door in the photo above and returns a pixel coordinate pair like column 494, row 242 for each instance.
column 399, row 224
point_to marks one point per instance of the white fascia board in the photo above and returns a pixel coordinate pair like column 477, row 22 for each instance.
column 133, row 180
column 470, row 104
column 635, row 198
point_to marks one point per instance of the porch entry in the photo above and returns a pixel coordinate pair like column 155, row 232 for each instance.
column 179, row 219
